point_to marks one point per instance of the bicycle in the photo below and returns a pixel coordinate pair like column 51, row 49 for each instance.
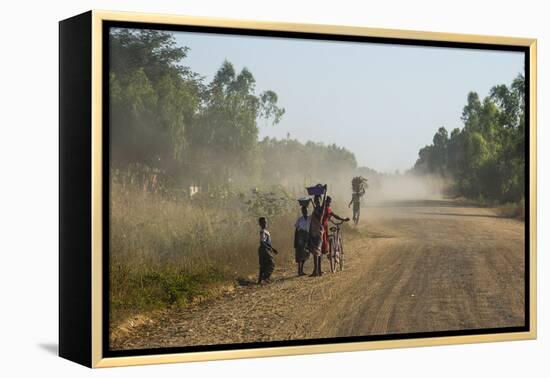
column 336, row 247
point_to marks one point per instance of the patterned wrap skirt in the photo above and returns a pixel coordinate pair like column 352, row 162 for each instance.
column 267, row 263
column 301, row 252
column 315, row 243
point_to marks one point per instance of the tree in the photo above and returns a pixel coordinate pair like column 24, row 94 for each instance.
column 439, row 153
column 154, row 51
column 153, row 99
column 486, row 159
column 226, row 133
column 164, row 116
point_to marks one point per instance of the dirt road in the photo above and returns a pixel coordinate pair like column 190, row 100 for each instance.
column 411, row 266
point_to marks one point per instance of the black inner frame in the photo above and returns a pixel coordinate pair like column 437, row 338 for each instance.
column 106, row 25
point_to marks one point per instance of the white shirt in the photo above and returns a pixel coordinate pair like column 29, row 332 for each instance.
column 265, row 236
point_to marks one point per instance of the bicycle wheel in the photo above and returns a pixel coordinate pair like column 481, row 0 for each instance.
column 341, row 259
column 331, row 255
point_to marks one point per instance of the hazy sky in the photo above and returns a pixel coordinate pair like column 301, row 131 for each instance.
column 382, row 102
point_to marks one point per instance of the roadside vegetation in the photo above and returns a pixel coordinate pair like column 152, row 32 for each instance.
column 485, row 160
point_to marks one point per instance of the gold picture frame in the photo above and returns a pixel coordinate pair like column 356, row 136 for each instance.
column 81, row 277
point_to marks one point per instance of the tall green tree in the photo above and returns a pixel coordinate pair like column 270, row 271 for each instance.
column 154, row 99
column 225, row 135
column 486, row 158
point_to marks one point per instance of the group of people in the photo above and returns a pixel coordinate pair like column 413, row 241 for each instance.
column 310, row 238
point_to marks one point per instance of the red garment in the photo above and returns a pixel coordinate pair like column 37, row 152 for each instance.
column 326, row 217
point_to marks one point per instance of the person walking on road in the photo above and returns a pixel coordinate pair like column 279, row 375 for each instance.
column 356, row 202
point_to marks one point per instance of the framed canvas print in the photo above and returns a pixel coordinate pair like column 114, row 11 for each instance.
column 235, row 189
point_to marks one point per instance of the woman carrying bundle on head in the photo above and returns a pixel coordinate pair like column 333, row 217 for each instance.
column 315, row 240
column 301, row 236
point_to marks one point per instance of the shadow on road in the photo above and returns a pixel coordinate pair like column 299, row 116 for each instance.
column 460, row 215
column 245, row 282
column 420, row 203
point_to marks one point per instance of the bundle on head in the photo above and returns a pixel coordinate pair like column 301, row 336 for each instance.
column 359, row 184
column 304, row 201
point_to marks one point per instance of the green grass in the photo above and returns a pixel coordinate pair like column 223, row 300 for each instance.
column 138, row 290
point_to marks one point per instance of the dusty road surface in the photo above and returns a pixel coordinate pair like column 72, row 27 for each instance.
column 411, row 266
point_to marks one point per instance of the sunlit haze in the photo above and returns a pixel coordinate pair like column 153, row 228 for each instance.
column 382, row 102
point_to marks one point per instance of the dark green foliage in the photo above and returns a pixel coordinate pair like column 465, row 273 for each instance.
column 486, row 159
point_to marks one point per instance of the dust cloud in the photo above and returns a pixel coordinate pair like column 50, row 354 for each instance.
column 408, row 187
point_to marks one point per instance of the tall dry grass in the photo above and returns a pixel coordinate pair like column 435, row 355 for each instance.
column 166, row 251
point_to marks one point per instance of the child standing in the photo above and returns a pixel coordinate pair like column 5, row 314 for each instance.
column 265, row 252
column 301, row 235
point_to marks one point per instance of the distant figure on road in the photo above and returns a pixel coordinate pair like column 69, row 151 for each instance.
column 358, row 185
column 356, row 201
column 265, row 253
column 301, row 235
